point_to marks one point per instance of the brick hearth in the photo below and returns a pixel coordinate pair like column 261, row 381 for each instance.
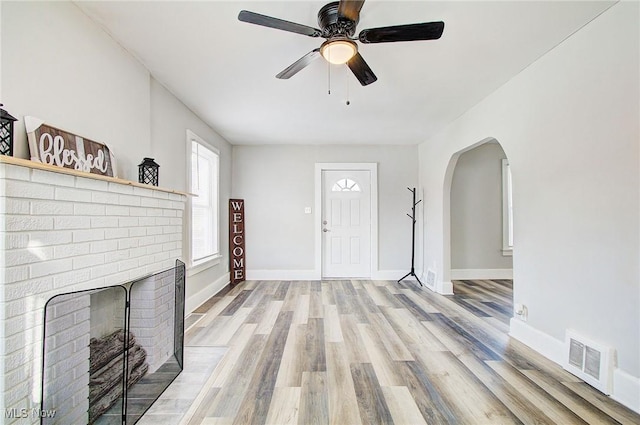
column 64, row 231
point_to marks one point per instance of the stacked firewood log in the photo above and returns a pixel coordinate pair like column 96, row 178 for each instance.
column 106, row 373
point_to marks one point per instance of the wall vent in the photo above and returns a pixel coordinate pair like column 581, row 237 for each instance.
column 590, row 361
column 431, row 278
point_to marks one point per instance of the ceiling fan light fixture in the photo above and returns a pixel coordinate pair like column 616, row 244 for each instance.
column 338, row 51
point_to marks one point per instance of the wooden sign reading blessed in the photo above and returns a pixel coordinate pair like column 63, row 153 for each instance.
column 53, row 146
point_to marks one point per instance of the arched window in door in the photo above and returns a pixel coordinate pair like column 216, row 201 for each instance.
column 345, row 185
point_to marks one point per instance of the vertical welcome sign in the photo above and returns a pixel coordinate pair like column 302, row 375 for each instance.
column 236, row 240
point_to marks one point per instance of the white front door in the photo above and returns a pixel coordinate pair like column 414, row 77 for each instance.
column 346, row 223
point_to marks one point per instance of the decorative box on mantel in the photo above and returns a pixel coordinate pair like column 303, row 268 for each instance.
column 60, row 231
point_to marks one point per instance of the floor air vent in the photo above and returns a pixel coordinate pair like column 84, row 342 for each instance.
column 431, row 278
column 590, row 361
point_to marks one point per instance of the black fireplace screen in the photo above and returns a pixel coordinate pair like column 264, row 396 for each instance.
column 109, row 353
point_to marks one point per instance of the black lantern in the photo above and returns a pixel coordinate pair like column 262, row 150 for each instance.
column 6, row 132
column 148, row 172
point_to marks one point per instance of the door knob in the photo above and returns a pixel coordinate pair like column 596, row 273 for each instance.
column 326, row 230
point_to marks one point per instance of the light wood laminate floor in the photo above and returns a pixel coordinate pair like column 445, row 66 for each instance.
column 379, row 352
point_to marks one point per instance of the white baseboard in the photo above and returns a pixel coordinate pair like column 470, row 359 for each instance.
column 445, row 288
column 626, row 387
column 197, row 299
column 469, row 274
column 544, row 344
column 440, row 287
column 313, row 275
column 391, row 275
column 282, row 275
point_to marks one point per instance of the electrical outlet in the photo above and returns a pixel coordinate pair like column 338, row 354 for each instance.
column 307, row 210
column 520, row 311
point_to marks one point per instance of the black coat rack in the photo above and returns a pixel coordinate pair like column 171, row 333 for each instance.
column 413, row 238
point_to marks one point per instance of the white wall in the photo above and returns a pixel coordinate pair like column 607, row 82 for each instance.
column 277, row 183
column 476, row 211
column 569, row 125
column 170, row 119
column 58, row 65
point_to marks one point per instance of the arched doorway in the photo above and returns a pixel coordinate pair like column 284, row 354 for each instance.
column 478, row 230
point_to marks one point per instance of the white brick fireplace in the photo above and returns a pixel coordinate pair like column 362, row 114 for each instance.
column 64, row 231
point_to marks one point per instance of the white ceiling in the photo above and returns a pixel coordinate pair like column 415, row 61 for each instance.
column 224, row 70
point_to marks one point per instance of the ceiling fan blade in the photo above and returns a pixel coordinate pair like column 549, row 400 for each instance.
column 350, row 9
column 280, row 24
column 410, row 32
column 361, row 70
column 298, row 65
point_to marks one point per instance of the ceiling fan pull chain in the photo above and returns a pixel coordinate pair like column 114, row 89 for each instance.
column 329, row 74
column 347, row 77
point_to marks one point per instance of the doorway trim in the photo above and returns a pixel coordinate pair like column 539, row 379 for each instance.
column 372, row 167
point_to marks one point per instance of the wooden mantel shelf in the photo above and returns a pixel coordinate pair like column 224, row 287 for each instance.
column 46, row 167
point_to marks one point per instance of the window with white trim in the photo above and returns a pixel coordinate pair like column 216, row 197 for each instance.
column 204, row 179
column 507, row 209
